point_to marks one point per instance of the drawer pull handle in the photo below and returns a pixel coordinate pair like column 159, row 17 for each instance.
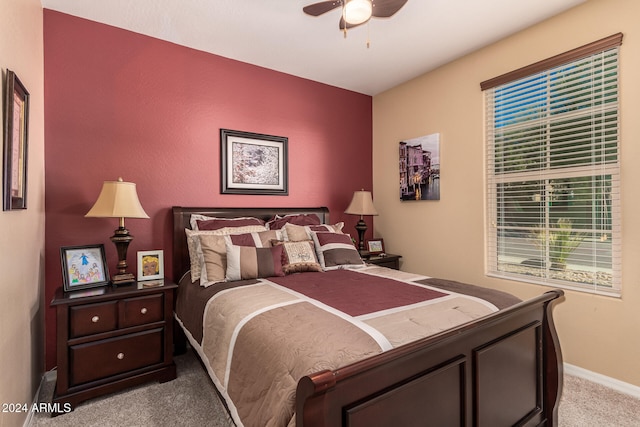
column 120, row 356
column 144, row 310
column 95, row 319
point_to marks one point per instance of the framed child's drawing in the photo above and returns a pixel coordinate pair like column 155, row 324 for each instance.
column 83, row 267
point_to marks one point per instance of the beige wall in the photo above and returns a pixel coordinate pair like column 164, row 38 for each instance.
column 22, row 241
column 446, row 238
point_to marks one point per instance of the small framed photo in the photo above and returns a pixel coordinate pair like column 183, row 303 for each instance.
column 84, row 267
column 253, row 163
column 375, row 246
column 150, row 265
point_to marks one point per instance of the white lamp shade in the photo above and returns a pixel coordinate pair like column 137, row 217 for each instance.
column 357, row 11
column 361, row 204
column 118, row 199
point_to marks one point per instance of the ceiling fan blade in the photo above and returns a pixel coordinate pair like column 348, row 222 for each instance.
column 318, row 9
column 386, row 8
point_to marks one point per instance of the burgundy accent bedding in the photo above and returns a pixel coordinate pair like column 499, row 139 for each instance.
column 356, row 294
column 218, row 223
column 258, row 338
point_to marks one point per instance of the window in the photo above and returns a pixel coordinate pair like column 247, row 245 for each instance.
column 553, row 171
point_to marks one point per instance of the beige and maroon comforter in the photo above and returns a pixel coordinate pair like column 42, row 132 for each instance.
column 258, row 338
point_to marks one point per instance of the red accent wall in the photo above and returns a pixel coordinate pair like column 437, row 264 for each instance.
column 123, row 104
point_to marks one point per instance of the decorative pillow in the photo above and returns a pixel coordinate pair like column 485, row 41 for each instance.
column 195, row 251
column 336, row 250
column 244, row 262
column 296, row 233
column 218, row 223
column 214, row 259
column 215, row 252
column 260, row 239
column 193, row 220
column 277, row 222
column 299, row 256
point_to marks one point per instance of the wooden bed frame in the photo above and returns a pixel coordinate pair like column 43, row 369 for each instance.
column 500, row 370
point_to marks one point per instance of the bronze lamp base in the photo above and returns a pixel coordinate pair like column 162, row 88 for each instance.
column 121, row 238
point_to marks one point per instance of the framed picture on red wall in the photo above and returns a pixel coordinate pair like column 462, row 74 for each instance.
column 253, row 163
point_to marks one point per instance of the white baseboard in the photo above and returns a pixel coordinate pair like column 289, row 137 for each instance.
column 51, row 375
column 604, row 380
column 48, row 376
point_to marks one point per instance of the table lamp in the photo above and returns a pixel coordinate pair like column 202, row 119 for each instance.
column 361, row 204
column 119, row 199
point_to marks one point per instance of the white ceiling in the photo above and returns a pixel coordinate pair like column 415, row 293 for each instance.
column 276, row 34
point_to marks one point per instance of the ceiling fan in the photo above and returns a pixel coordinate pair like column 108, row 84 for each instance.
column 356, row 12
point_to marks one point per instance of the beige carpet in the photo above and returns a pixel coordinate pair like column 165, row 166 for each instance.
column 191, row 400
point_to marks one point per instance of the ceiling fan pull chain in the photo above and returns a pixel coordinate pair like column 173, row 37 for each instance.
column 368, row 34
column 344, row 18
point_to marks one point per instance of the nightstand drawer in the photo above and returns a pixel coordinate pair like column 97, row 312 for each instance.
column 388, row 263
column 101, row 359
column 142, row 310
column 93, row 318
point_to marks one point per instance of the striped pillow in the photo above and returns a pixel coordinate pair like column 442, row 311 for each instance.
column 244, row 262
column 336, row 250
column 247, row 236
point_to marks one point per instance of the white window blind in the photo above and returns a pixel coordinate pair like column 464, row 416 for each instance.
column 553, row 175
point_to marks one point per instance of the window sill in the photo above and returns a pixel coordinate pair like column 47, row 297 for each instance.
column 585, row 288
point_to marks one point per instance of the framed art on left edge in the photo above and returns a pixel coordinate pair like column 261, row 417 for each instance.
column 84, row 267
column 253, row 163
column 16, row 132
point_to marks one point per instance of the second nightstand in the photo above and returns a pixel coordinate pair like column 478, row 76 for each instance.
column 390, row 261
column 111, row 338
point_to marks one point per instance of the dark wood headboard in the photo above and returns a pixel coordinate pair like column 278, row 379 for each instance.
column 182, row 215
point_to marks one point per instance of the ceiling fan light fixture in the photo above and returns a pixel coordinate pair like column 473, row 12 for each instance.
column 357, row 11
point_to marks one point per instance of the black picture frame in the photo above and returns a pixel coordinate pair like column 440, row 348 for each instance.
column 253, row 163
column 16, row 144
column 84, row 267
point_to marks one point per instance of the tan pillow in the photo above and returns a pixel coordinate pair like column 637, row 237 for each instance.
column 195, row 251
column 214, row 253
column 297, row 233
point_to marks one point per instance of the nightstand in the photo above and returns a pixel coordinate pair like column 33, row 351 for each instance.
column 111, row 338
column 390, row 261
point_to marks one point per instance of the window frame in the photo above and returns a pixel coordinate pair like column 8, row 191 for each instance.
column 548, row 174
